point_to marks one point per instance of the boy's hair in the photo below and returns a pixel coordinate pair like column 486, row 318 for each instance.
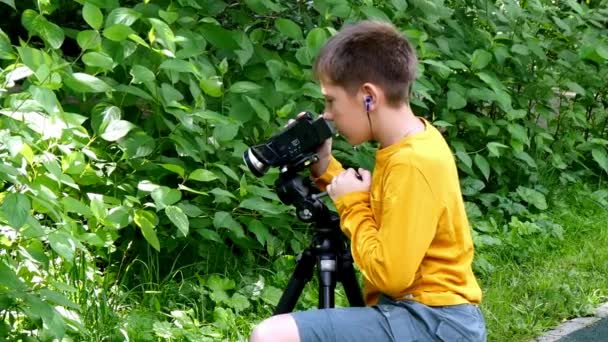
column 369, row 51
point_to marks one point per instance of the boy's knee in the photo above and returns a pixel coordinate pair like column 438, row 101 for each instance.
column 277, row 328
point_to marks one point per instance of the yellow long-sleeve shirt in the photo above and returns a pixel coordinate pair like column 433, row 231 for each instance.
column 410, row 235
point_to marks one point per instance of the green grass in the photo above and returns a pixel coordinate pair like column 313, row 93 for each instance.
column 532, row 291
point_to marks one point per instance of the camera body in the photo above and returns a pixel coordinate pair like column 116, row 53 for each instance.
column 289, row 147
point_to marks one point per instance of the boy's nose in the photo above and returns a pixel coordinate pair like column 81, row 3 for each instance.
column 327, row 116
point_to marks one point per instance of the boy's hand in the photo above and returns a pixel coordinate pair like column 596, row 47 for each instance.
column 349, row 181
column 324, row 152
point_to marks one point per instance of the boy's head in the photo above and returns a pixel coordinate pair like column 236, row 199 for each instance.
column 369, row 51
column 364, row 67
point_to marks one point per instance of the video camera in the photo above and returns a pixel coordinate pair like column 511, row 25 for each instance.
column 291, row 147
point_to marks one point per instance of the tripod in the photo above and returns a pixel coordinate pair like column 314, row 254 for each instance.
column 328, row 251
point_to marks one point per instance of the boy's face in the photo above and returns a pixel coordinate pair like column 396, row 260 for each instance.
column 347, row 112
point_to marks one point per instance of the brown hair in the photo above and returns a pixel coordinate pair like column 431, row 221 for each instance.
column 369, row 51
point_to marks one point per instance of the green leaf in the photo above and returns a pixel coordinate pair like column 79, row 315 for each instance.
column 138, row 144
column 494, row 148
column 141, row 74
column 471, row 186
column 533, row 197
column 146, row 220
column 491, row 80
column 601, row 157
column 480, row 59
column 72, row 205
column 209, row 234
column 170, row 95
column 163, row 32
column 219, row 36
column 217, row 283
column 226, row 132
column 258, row 204
column 575, row 87
column 465, row 158
column 271, row 295
column 51, row 321
column 10, row 3
column 575, row 6
column 123, row 16
column 98, row 59
column 601, row 50
column 259, row 229
column 102, row 116
column 178, row 65
column 518, row 132
column 288, row 28
column 98, row 207
column 118, row 32
column 202, row 175
column 6, row 48
column 483, row 165
column 246, row 48
column 64, row 244
column 57, row 298
column 315, row 39
column 525, row 157
column 212, row 86
column 88, row 39
column 223, row 219
column 92, row 15
column 165, row 196
column 73, row 163
column 46, row 98
column 374, row 13
column 50, row 32
column 520, row 49
column 179, row 219
column 116, row 130
column 228, row 171
column 259, row 108
column 9, row 279
column 244, row 87
column 174, row 168
column 238, row 302
column 455, row 100
column 85, row 83
column 16, row 208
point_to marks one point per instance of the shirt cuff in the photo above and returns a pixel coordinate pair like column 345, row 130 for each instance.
column 334, row 168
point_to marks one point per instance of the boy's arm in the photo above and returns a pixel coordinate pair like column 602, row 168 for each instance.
column 389, row 256
column 334, row 168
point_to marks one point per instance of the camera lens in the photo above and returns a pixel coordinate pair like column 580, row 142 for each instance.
column 255, row 165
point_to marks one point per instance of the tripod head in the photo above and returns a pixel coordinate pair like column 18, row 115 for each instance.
column 293, row 189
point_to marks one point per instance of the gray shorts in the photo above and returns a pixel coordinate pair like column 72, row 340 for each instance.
column 393, row 321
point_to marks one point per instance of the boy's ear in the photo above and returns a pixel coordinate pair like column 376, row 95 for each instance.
column 371, row 93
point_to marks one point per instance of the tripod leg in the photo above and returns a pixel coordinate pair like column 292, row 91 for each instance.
column 327, row 281
column 349, row 281
column 301, row 275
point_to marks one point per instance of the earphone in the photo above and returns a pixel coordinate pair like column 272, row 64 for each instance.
column 368, row 102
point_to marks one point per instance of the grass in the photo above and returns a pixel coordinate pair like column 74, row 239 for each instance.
column 527, row 295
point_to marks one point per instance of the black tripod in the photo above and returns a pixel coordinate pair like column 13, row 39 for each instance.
column 328, row 251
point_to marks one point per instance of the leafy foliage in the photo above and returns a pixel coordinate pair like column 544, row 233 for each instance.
column 123, row 125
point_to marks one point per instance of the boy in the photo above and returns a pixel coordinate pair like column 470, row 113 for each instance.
column 407, row 223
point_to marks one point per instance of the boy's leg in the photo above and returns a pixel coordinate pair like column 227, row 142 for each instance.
column 326, row 325
column 276, row 328
column 388, row 321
